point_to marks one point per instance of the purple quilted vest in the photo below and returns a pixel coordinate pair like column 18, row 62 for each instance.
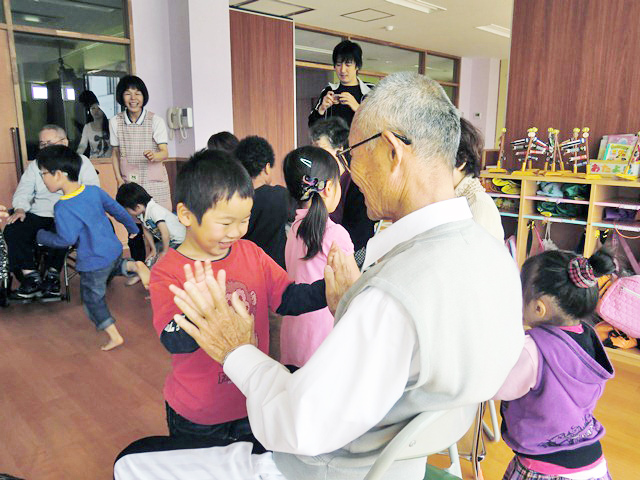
column 557, row 414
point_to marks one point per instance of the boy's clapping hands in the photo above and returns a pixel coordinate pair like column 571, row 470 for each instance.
column 217, row 327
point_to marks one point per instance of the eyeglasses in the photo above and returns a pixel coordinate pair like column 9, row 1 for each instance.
column 45, row 172
column 342, row 154
column 42, row 145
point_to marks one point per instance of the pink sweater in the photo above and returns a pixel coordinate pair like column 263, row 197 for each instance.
column 300, row 336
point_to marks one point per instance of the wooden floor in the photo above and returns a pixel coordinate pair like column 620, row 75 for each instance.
column 67, row 408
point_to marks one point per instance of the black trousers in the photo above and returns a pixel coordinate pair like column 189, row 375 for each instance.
column 21, row 243
column 213, row 435
column 136, row 246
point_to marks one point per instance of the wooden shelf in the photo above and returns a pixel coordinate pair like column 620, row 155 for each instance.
column 627, row 226
column 542, row 198
column 630, row 356
column 573, row 221
column 564, row 179
column 626, row 203
column 503, row 195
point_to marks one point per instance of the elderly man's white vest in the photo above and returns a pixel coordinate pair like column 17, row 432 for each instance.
column 462, row 291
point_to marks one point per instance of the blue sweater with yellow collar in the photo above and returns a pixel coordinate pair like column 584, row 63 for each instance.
column 81, row 220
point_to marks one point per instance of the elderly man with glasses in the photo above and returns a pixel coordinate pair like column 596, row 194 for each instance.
column 420, row 330
column 32, row 210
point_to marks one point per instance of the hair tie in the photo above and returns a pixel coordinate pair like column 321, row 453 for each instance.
column 581, row 273
column 311, row 185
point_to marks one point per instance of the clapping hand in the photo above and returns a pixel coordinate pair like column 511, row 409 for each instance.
column 217, row 327
column 340, row 274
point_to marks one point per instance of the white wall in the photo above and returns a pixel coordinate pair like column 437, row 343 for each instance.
column 478, row 100
column 183, row 54
column 210, row 68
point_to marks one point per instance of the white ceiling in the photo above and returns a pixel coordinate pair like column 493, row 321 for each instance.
column 452, row 31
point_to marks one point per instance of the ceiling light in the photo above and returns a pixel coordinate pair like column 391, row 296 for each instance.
column 86, row 6
column 419, row 5
column 32, row 18
column 496, row 30
column 314, row 49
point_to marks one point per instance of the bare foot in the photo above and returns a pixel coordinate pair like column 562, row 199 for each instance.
column 144, row 273
column 111, row 344
column 115, row 339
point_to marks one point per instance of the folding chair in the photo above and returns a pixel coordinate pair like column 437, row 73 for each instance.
column 427, row 434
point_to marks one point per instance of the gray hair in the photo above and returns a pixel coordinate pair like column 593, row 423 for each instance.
column 52, row 126
column 415, row 106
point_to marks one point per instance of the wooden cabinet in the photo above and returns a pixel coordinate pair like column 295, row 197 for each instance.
column 568, row 230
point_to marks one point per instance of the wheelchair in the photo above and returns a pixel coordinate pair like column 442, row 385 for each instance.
column 6, row 280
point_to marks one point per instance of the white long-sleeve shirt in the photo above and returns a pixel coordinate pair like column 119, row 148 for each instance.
column 33, row 196
column 356, row 375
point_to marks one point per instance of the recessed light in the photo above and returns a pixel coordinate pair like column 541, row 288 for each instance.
column 496, row 30
column 389, row 28
column 419, row 5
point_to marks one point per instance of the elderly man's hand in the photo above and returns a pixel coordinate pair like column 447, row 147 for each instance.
column 18, row 215
column 217, row 327
column 340, row 273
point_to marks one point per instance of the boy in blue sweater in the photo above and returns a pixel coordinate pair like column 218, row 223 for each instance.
column 81, row 220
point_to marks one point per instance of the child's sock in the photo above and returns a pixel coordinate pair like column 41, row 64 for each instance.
column 115, row 339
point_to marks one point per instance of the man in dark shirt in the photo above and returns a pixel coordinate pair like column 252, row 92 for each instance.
column 271, row 204
column 343, row 99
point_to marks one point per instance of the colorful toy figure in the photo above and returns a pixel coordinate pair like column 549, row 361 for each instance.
column 633, row 159
column 577, row 150
column 501, row 156
column 554, row 156
column 528, row 148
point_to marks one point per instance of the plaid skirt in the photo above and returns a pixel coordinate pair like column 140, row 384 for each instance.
column 517, row 471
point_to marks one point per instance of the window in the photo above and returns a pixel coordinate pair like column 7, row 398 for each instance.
column 315, row 47
column 385, row 59
column 103, row 17
column 314, row 68
column 54, row 71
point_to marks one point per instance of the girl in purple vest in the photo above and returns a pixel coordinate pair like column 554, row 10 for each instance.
column 550, row 395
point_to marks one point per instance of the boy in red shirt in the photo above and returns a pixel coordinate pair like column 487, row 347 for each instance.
column 214, row 194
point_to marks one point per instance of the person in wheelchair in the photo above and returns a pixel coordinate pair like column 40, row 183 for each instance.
column 33, row 210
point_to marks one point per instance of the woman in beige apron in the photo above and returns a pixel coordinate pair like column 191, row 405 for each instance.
column 139, row 141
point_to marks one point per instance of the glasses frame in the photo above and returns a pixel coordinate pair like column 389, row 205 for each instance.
column 341, row 154
column 42, row 145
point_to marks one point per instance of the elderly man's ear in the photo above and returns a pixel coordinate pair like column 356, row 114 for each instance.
column 396, row 149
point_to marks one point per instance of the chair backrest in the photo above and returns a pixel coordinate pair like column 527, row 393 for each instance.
column 426, row 434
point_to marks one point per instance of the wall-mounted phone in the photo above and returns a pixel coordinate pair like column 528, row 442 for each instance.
column 179, row 118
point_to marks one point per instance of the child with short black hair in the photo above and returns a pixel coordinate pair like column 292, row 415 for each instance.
column 159, row 224
column 313, row 180
column 225, row 141
column 551, row 393
column 270, row 213
column 215, row 198
column 81, row 220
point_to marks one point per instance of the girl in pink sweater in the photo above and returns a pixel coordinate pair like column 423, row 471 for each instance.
column 313, row 179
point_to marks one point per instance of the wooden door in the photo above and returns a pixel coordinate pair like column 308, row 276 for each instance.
column 8, row 120
column 262, row 67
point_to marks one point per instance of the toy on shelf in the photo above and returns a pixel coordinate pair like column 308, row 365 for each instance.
column 577, row 150
column 633, row 159
column 501, row 156
column 554, row 156
column 528, row 148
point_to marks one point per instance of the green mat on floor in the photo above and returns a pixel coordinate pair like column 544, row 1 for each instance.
column 433, row 473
